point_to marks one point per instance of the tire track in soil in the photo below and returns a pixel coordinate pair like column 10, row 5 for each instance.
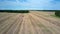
column 22, row 28
column 56, row 22
column 5, row 14
column 4, row 22
column 45, row 18
column 8, row 26
column 29, row 28
column 17, row 30
column 5, row 18
column 47, row 14
column 36, row 27
column 53, row 27
column 43, row 28
column 25, row 28
column 21, row 25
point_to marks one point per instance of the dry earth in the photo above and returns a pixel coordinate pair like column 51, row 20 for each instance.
column 29, row 23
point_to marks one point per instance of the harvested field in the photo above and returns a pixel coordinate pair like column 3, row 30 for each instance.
column 34, row 22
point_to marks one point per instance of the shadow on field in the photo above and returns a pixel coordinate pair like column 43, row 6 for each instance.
column 15, row 11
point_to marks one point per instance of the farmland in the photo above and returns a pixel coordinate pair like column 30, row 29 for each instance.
column 35, row 22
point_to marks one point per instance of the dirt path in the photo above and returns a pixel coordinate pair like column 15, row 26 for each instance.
column 29, row 23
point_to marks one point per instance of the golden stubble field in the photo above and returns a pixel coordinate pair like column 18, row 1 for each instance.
column 34, row 22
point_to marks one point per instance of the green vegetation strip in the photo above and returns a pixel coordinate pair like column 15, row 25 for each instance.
column 15, row 11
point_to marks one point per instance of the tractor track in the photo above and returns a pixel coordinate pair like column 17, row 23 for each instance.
column 28, row 23
column 40, row 25
column 50, row 27
column 54, row 22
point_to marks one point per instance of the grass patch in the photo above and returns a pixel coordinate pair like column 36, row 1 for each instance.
column 57, row 13
column 55, row 16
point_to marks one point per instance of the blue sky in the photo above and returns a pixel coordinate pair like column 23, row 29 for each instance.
column 29, row 4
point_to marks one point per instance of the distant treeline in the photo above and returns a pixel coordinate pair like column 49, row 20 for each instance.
column 15, row 11
column 49, row 10
column 57, row 13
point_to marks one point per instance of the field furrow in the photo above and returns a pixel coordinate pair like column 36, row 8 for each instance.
column 34, row 22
